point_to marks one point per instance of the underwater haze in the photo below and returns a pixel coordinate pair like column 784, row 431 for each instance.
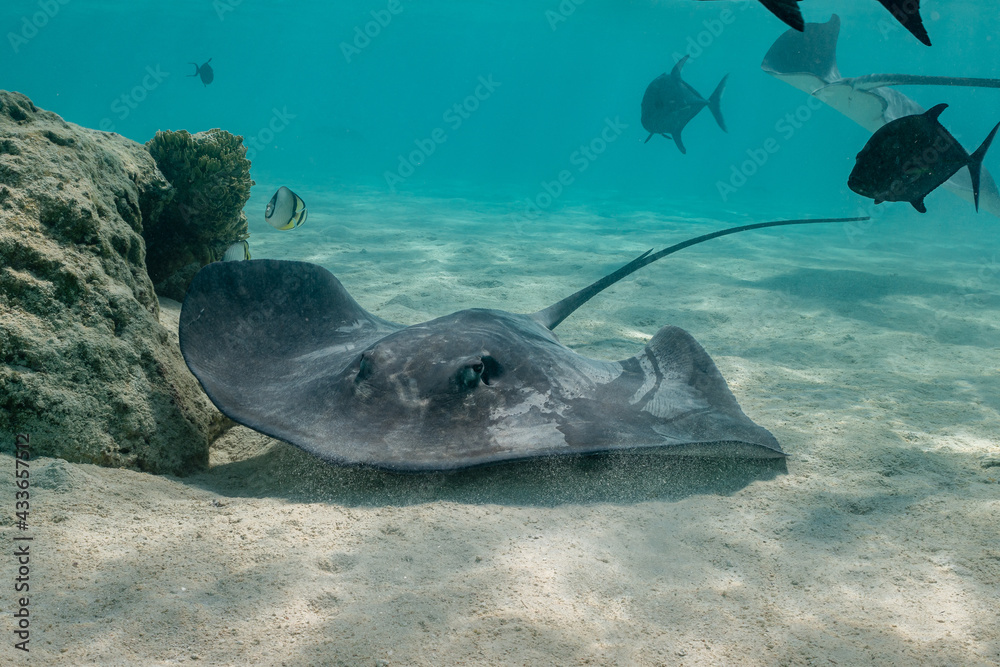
column 492, row 154
column 558, row 78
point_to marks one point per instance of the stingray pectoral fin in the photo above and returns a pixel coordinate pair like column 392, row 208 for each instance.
column 918, row 204
column 866, row 108
column 684, row 399
column 811, row 54
column 256, row 333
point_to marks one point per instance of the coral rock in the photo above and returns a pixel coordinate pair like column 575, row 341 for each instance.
column 86, row 369
column 211, row 177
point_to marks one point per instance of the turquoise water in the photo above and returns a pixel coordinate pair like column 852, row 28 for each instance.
column 871, row 349
column 346, row 115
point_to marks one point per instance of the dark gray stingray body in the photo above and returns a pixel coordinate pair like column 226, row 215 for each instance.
column 282, row 347
column 670, row 103
column 808, row 61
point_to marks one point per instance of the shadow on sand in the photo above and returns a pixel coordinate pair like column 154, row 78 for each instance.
column 625, row 477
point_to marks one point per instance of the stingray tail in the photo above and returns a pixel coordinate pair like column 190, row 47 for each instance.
column 714, row 103
column 976, row 163
column 551, row 317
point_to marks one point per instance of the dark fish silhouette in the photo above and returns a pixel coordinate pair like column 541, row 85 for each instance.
column 670, row 103
column 907, row 12
column 808, row 61
column 281, row 347
column 910, row 157
column 204, row 71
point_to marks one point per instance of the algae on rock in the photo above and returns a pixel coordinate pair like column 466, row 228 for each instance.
column 85, row 366
column 211, row 178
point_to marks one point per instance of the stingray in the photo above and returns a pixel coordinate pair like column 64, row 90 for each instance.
column 907, row 12
column 808, row 61
column 281, row 347
column 670, row 103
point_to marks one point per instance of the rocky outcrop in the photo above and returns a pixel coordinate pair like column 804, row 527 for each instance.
column 211, row 178
column 85, row 366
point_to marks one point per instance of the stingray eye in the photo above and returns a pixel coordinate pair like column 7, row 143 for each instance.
column 491, row 369
column 483, row 369
column 470, row 374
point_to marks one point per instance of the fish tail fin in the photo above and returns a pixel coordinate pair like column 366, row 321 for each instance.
column 907, row 12
column 786, row 10
column 976, row 163
column 715, row 103
column 196, row 68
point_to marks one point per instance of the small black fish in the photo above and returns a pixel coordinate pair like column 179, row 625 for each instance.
column 907, row 12
column 908, row 158
column 670, row 103
column 204, row 71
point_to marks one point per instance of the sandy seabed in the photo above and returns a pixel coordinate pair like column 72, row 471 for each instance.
column 872, row 353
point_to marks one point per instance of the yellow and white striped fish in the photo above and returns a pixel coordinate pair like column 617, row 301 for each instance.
column 286, row 210
column 236, row 252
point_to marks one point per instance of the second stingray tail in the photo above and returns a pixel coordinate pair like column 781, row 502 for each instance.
column 976, row 163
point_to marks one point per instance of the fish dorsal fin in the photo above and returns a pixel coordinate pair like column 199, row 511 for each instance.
column 935, row 111
column 675, row 73
column 551, row 317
